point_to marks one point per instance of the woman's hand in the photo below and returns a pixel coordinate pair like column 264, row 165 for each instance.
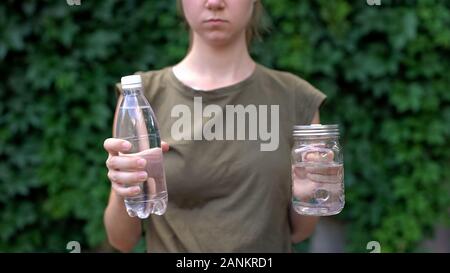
column 316, row 172
column 126, row 172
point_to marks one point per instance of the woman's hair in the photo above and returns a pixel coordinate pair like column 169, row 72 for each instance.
column 254, row 27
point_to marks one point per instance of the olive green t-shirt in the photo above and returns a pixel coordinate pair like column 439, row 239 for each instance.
column 228, row 170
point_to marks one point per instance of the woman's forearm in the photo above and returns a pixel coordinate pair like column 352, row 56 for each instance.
column 302, row 226
column 122, row 230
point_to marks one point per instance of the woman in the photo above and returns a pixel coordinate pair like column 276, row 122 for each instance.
column 229, row 190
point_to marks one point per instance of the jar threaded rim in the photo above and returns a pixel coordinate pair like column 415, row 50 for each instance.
column 316, row 130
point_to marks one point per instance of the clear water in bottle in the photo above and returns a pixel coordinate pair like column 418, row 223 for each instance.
column 136, row 123
column 153, row 195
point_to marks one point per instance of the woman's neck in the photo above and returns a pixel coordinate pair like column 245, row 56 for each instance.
column 208, row 67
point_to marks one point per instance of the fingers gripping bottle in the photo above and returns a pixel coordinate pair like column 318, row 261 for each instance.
column 136, row 123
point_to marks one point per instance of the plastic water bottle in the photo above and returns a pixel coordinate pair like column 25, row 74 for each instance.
column 136, row 123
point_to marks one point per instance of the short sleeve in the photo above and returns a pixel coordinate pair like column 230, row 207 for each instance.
column 118, row 89
column 308, row 100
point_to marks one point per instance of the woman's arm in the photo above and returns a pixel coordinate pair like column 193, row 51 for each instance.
column 303, row 226
column 123, row 231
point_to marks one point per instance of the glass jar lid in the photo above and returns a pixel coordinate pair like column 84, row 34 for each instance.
column 316, row 130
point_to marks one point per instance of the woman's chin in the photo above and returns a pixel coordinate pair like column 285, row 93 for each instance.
column 218, row 39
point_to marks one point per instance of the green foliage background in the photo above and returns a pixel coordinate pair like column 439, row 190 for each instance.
column 384, row 68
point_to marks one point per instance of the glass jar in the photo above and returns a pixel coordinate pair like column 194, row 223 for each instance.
column 317, row 170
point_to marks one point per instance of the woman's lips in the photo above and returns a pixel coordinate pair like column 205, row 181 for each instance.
column 215, row 21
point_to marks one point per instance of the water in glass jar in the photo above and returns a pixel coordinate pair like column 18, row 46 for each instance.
column 318, row 188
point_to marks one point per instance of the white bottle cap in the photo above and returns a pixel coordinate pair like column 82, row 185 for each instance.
column 132, row 81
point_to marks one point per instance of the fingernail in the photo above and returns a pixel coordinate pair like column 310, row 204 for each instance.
column 141, row 162
column 126, row 145
column 142, row 176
